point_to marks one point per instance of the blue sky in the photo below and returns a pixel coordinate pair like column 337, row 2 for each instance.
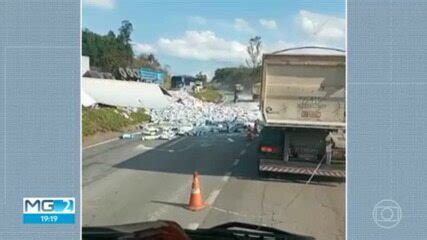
column 193, row 36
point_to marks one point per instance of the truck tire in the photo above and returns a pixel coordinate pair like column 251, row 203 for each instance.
column 136, row 74
column 122, row 74
column 130, row 74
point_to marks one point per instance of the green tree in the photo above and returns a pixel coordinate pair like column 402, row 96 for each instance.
column 125, row 31
column 202, row 77
column 230, row 76
column 254, row 51
column 254, row 62
column 111, row 51
column 108, row 52
column 144, row 60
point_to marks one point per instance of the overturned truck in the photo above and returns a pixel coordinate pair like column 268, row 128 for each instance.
column 303, row 108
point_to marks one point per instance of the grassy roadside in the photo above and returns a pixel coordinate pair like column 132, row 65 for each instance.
column 108, row 119
column 209, row 94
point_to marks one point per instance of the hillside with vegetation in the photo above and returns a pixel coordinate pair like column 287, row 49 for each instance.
column 228, row 77
column 113, row 50
column 107, row 53
column 247, row 75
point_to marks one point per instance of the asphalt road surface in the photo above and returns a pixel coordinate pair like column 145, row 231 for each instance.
column 129, row 181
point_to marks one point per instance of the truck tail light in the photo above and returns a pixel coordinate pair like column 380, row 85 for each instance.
column 269, row 149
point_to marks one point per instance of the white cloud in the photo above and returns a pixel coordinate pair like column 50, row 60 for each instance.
column 270, row 24
column 197, row 20
column 242, row 26
column 322, row 28
column 143, row 48
column 203, row 45
column 104, row 4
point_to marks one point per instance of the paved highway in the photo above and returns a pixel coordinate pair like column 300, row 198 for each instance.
column 128, row 181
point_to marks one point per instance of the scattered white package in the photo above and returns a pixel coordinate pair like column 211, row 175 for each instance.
column 187, row 115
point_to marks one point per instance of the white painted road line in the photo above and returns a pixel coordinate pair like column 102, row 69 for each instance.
column 232, row 212
column 230, row 140
column 174, row 197
column 186, row 148
column 101, row 143
column 243, row 152
column 142, row 146
column 173, row 142
column 193, row 226
column 236, row 162
column 115, row 139
column 205, row 145
column 212, row 197
column 165, row 147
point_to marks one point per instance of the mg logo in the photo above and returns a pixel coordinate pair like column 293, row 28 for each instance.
column 48, row 205
column 38, row 205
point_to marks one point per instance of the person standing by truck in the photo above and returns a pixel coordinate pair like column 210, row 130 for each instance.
column 329, row 146
column 256, row 127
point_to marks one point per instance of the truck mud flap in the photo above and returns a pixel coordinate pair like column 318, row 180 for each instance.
column 266, row 167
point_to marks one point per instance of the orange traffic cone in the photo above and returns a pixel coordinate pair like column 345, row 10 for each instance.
column 196, row 199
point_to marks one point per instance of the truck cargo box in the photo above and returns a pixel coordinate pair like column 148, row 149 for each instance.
column 303, row 107
column 303, row 90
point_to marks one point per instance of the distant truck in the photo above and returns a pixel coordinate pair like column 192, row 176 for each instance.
column 238, row 89
column 198, row 86
column 303, row 108
column 182, row 81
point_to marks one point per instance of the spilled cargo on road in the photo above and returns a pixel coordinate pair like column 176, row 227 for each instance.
column 187, row 115
column 173, row 113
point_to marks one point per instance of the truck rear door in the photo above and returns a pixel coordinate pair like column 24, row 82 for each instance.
column 303, row 91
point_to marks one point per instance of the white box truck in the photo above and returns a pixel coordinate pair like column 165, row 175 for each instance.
column 303, row 108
